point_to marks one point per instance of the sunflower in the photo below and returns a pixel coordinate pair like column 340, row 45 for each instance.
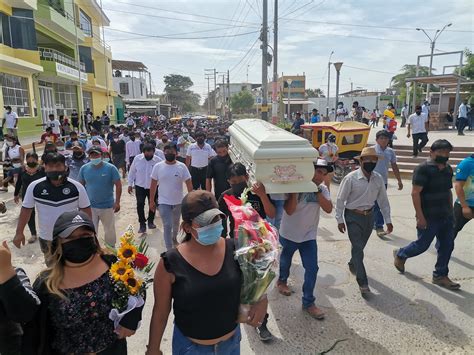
column 127, row 252
column 120, row 270
column 132, row 283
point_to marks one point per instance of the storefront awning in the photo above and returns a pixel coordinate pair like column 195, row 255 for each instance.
column 441, row 80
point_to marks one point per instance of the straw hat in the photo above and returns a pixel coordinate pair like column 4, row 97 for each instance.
column 368, row 152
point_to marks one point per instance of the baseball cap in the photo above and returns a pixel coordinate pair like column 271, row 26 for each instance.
column 76, row 145
column 321, row 163
column 94, row 149
column 200, row 206
column 68, row 222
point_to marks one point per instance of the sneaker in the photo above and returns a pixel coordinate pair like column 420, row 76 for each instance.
column 32, row 239
column 315, row 312
column 445, row 282
column 142, row 229
column 151, row 225
column 380, row 232
column 263, row 333
column 351, row 268
column 283, row 288
column 398, row 262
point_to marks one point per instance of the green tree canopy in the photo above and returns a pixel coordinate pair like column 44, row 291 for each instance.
column 242, row 101
column 177, row 88
column 314, row 93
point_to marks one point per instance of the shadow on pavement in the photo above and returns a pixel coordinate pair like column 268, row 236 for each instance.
column 421, row 313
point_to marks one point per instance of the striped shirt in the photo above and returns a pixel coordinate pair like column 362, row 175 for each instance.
column 51, row 201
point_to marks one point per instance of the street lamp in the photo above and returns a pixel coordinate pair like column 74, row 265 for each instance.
column 432, row 44
column 393, row 97
column 407, row 98
column 338, row 66
column 289, row 81
column 329, row 83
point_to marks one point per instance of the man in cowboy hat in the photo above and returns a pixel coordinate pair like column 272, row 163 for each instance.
column 298, row 230
column 355, row 209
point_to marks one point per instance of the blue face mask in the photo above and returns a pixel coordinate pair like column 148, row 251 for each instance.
column 107, row 160
column 210, row 234
column 96, row 161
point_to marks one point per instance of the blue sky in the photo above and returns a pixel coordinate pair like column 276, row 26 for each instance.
column 364, row 34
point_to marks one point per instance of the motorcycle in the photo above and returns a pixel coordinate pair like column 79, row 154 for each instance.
column 342, row 167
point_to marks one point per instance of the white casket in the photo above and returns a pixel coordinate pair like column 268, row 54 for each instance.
column 282, row 161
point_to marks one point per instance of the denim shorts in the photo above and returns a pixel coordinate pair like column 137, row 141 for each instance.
column 182, row 345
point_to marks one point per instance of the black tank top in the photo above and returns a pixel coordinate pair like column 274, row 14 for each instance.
column 205, row 307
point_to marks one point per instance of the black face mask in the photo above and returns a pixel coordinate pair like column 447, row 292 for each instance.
column 237, row 189
column 79, row 250
column 78, row 155
column 148, row 157
column 441, row 160
column 56, row 175
column 132, row 138
column 200, row 140
column 369, row 166
column 32, row 164
column 170, row 157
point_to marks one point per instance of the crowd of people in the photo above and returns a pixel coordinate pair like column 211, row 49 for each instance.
column 76, row 185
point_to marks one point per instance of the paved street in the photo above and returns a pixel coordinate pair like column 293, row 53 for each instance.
column 406, row 313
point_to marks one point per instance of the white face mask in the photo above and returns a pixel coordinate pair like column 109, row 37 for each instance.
column 16, row 165
column 10, row 143
column 61, row 149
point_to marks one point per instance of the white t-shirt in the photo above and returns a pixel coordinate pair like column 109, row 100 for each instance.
column 183, row 150
column 55, row 125
column 170, row 179
column 200, row 156
column 417, row 123
column 10, row 119
column 51, row 201
column 302, row 225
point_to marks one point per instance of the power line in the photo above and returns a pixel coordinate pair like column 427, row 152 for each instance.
column 245, row 55
column 251, row 6
column 369, row 26
column 168, row 37
column 372, row 70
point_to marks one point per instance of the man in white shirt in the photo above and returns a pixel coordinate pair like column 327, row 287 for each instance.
column 132, row 147
column 462, row 118
column 54, row 124
column 168, row 176
column 425, row 108
column 10, row 121
column 51, row 196
column 341, row 112
column 298, row 231
column 197, row 160
column 139, row 178
column 184, row 141
column 404, row 115
column 355, row 209
column 418, row 125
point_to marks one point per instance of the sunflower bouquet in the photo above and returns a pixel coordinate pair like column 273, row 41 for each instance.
column 256, row 252
column 131, row 274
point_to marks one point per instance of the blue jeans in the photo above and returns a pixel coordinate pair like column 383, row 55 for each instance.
column 378, row 218
column 183, row 346
column 170, row 215
column 309, row 256
column 278, row 213
column 443, row 230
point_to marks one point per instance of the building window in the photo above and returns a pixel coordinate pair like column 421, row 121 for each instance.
column 15, row 93
column 85, row 23
column 18, row 31
column 124, row 89
column 65, row 98
column 87, row 100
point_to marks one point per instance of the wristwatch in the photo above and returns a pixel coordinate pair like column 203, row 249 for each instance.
column 319, row 190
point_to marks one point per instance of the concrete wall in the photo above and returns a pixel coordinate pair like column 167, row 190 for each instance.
column 133, row 87
column 369, row 102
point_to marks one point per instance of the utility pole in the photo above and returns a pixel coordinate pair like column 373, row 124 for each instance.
column 228, row 90
column 264, row 38
column 208, row 95
column 329, row 84
column 338, row 66
column 275, row 64
column 432, row 45
column 248, row 65
column 212, row 73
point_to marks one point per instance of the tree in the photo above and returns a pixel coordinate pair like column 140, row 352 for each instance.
column 468, row 71
column 314, row 93
column 177, row 89
column 409, row 71
column 242, row 101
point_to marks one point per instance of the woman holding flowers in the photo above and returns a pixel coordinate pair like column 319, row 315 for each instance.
column 77, row 293
column 203, row 281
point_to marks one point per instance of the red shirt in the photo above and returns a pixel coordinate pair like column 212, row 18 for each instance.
column 49, row 137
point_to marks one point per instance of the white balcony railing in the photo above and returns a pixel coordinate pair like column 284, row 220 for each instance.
column 53, row 55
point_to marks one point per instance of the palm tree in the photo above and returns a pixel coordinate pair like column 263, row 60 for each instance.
column 408, row 71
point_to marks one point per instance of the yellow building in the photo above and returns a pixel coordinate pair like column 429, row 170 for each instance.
column 59, row 61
